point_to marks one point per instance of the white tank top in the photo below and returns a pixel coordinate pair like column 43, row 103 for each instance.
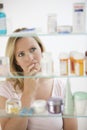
column 37, row 123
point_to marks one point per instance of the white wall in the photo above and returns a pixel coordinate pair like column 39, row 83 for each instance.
column 33, row 13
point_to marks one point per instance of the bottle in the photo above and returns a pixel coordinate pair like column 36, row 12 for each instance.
column 47, row 64
column 79, row 64
column 69, row 102
column 52, row 23
column 86, row 62
column 63, row 60
column 79, row 17
column 3, row 28
column 4, row 66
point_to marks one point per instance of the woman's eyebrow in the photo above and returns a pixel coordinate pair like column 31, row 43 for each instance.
column 18, row 52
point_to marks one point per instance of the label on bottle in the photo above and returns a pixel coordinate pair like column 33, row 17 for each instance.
column 86, row 65
column 79, row 17
column 52, row 23
column 63, row 68
column 3, row 29
column 77, row 69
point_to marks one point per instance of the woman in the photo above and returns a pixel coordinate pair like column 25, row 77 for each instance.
column 25, row 54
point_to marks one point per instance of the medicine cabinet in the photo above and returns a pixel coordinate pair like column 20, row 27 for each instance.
column 36, row 17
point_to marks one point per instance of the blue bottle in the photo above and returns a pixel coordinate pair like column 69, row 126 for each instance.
column 3, row 28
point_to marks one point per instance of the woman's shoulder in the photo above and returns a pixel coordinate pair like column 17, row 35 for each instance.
column 6, row 89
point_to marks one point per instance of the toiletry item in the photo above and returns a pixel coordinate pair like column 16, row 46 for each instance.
column 46, row 64
column 52, row 23
column 13, row 106
column 3, row 26
column 79, row 17
column 79, row 63
column 39, row 106
column 54, row 105
column 86, row 62
column 72, row 62
column 68, row 100
column 80, row 103
column 4, row 66
column 64, row 29
column 63, row 60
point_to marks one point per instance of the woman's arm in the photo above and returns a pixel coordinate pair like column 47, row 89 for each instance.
column 20, row 123
column 70, row 124
column 12, row 123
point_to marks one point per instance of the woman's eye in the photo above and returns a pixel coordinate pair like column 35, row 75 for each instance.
column 21, row 54
column 32, row 49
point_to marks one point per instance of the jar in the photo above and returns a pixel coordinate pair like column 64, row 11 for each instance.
column 13, row 106
column 54, row 105
column 63, row 60
column 64, row 29
column 39, row 106
column 80, row 103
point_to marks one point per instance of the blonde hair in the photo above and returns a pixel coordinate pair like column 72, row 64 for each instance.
column 14, row 68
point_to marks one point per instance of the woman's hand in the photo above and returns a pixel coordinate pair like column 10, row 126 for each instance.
column 30, row 85
column 32, row 69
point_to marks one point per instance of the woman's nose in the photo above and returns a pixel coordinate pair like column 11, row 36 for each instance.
column 29, row 56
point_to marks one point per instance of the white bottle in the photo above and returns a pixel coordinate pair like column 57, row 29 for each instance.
column 63, row 60
column 47, row 64
column 79, row 18
column 52, row 23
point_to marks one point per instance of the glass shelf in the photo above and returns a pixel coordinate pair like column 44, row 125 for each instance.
column 42, row 115
column 40, row 76
column 33, row 33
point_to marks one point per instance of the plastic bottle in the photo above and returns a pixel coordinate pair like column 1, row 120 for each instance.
column 47, row 64
column 69, row 102
column 63, row 58
column 86, row 62
column 3, row 28
column 52, row 23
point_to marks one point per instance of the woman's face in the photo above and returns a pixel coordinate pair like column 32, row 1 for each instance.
column 28, row 54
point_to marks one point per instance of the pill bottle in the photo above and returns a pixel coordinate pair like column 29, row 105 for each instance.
column 52, row 23
column 3, row 28
column 79, row 17
column 47, row 63
column 4, row 66
column 79, row 64
column 72, row 62
column 86, row 62
column 63, row 62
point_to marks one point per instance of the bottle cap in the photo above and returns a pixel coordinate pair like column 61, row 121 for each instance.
column 1, row 5
column 86, row 53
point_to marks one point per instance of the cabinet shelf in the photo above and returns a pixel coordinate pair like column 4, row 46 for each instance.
column 42, row 76
column 26, row 34
column 29, row 113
